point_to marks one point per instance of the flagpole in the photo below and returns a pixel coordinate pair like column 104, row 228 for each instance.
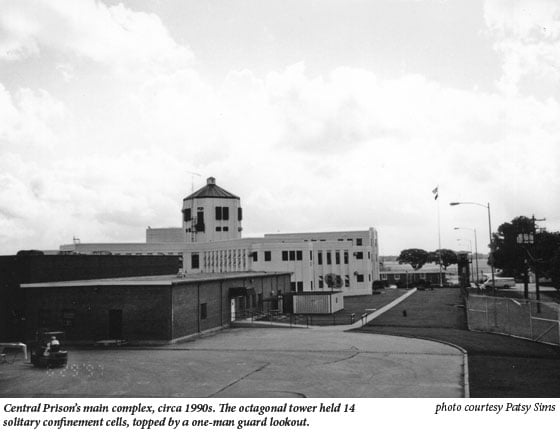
column 436, row 193
column 439, row 243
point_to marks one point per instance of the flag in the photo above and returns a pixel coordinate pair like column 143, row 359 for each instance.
column 436, row 192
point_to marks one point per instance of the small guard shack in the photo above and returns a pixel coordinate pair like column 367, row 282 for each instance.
column 318, row 302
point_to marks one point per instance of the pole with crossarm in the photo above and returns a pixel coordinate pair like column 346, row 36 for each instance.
column 489, row 234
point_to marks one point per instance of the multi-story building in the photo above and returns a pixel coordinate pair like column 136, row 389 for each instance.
column 310, row 257
column 211, row 241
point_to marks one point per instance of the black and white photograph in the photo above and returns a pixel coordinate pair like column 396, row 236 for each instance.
column 279, row 216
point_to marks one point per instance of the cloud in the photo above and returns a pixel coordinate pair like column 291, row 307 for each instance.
column 29, row 120
column 398, row 139
column 101, row 154
column 126, row 40
column 527, row 35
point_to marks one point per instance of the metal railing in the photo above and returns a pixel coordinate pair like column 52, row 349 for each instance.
column 537, row 321
column 274, row 317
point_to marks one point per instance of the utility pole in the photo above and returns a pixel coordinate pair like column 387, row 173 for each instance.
column 536, row 262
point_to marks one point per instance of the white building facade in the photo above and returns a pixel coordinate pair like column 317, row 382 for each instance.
column 309, row 257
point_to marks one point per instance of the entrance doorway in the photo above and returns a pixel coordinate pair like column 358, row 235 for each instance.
column 115, row 324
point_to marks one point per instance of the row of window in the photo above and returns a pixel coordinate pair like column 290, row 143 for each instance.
column 221, row 214
column 297, row 255
column 233, row 259
column 422, row 276
column 359, row 241
column 297, row 286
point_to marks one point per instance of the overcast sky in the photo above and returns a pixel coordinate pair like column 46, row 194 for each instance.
column 320, row 114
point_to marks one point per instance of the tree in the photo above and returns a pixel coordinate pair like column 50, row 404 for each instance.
column 513, row 257
column 333, row 281
column 541, row 255
column 507, row 253
column 414, row 256
column 448, row 257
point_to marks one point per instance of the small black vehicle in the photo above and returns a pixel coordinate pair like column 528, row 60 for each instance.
column 47, row 352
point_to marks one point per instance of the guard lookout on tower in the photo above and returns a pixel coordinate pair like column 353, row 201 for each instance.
column 211, row 214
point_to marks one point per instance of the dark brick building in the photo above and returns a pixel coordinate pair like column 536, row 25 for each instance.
column 149, row 309
column 27, row 268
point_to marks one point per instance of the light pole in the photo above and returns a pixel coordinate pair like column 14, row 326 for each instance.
column 489, row 235
column 475, row 247
column 470, row 250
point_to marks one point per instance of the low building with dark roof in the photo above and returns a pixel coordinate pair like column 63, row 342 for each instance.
column 34, row 267
column 155, row 309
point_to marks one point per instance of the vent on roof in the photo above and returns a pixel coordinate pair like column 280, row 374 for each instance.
column 211, row 180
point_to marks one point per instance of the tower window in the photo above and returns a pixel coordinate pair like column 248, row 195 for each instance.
column 200, row 218
column 222, row 213
column 187, row 214
column 239, row 213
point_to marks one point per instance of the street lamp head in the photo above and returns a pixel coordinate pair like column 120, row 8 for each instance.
column 454, row 203
column 456, row 228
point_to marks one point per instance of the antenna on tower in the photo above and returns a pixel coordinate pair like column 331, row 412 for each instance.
column 193, row 174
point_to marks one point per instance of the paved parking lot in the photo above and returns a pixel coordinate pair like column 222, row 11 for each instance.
column 252, row 362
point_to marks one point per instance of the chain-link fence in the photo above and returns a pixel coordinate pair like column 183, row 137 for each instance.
column 535, row 320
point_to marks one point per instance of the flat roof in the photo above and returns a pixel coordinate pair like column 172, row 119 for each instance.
column 155, row 280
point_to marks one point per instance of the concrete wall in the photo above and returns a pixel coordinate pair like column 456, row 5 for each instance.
column 165, row 235
column 125, row 249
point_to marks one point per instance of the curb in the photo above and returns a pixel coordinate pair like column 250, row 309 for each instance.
column 466, row 385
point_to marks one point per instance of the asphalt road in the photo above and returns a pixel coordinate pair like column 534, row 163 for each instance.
column 252, row 362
